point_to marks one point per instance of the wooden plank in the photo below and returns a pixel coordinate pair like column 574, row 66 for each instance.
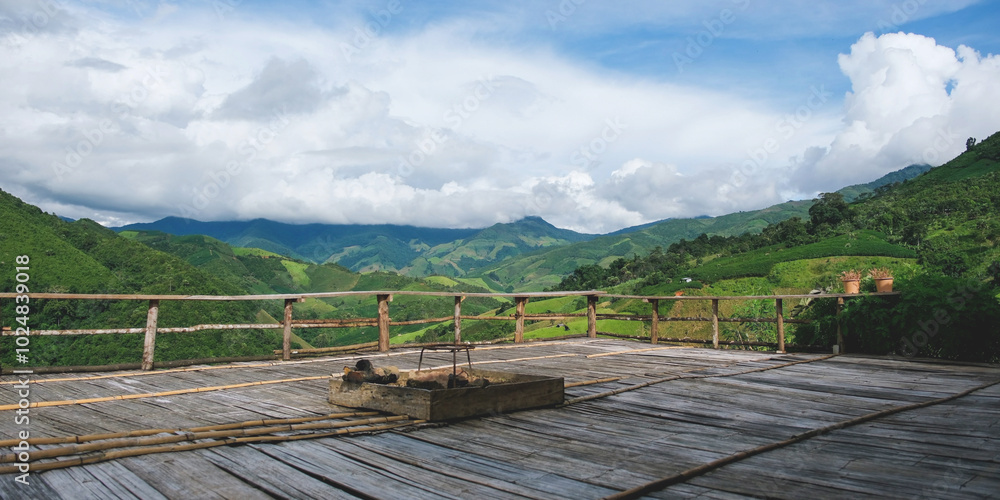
column 189, row 475
column 271, row 476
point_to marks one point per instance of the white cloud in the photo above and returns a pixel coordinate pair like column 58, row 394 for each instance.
column 189, row 113
column 912, row 101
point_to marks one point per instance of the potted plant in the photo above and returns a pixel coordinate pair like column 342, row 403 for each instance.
column 852, row 281
column 883, row 279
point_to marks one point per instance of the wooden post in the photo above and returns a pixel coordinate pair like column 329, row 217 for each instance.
column 840, row 334
column 519, row 318
column 149, row 345
column 458, row 318
column 383, row 321
column 781, row 326
column 286, row 338
column 715, row 323
column 654, row 336
column 592, row 316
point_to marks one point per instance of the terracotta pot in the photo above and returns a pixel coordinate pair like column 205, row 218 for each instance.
column 852, row 286
column 883, row 284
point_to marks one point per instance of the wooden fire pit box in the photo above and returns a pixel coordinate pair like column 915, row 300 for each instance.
column 506, row 392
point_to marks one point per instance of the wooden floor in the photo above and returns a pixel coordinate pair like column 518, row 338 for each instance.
column 704, row 405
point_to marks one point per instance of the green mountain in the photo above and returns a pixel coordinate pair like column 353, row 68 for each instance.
column 84, row 257
column 357, row 247
column 538, row 270
column 856, row 191
column 262, row 272
column 410, row 250
column 491, row 245
column 546, row 268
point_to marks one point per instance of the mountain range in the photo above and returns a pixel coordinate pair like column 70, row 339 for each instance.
column 527, row 255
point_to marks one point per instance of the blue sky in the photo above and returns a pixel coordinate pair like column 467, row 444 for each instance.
column 593, row 115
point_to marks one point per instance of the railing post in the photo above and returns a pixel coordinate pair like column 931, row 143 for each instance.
column 715, row 323
column 383, row 321
column 149, row 344
column 458, row 318
column 592, row 316
column 519, row 318
column 654, row 335
column 286, row 338
column 781, row 326
column 840, row 334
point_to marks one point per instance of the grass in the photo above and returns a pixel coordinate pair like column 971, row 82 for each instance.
column 297, row 270
column 243, row 251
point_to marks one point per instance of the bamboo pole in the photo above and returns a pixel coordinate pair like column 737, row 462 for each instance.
column 149, row 344
column 150, row 432
column 458, row 318
column 520, row 302
column 715, row 323
column 383, row 321
column 592, row 316
column 840, row 334
column 105, row 456
column 781, row 325
column 654, row 333
column 286, row 336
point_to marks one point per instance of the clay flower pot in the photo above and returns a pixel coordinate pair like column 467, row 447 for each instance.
column 883, row 284
column 852, row 286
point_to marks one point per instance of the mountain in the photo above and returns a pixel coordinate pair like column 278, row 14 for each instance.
column 545, row 268
column 84, row 257
column 491, row 245
column 415, row 251
column 855, row 191
column 358, row 247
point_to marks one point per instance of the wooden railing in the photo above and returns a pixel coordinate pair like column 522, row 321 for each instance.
column 383, row 321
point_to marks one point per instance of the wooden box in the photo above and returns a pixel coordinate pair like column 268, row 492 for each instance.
column 506, row 392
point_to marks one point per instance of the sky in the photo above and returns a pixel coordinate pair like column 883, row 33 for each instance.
column 594, row 115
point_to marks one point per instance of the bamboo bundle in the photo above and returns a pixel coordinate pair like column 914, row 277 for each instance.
column 67, row 402
column 150, row 432
column 101, row 456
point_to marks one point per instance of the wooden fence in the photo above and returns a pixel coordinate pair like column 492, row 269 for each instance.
column 383, row 321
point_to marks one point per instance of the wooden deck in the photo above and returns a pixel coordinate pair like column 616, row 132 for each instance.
column 747, row 414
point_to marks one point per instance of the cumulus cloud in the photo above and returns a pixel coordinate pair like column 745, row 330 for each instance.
column 216, row 117
column 911, row 101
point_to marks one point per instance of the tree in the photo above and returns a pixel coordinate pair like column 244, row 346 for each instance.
column 970, row 143
column 829, row 208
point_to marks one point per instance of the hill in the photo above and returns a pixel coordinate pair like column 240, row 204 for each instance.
column 491, row 245
column 538, row 270
column 415, row 251
column 357, row 247
column 262, row 272
column 84, row 257
column 856, row 191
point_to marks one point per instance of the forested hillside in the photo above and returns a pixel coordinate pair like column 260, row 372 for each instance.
column 84, row 257
column 939, row 234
